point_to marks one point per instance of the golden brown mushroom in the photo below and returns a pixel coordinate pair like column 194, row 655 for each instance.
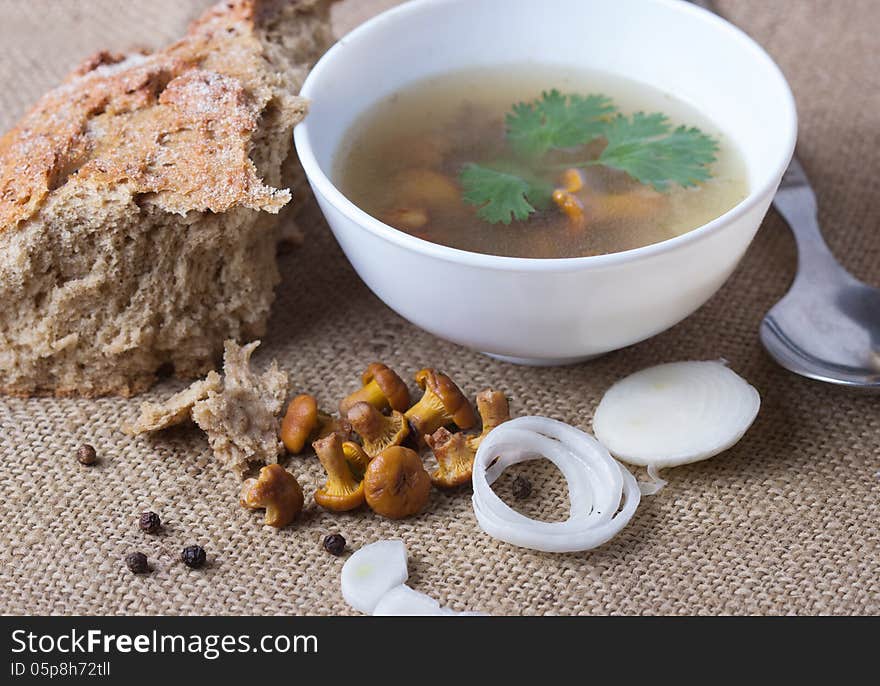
column 406, row 218
column 455, row 452
column 494, row 410
column 382, row 388
column 572, row 207
column 356, row 457
column 377, row 431
column 300, row 421
column 396, row 484
column 342, row 491
column 423, row 186
column 442, row 403
column 278, row 491
column 455, row 458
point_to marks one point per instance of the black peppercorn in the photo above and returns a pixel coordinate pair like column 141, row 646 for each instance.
column 87, row 455
column 150, row 522
column 334, row 544
column 522, row 487
column 137, row 563
column 193, row 556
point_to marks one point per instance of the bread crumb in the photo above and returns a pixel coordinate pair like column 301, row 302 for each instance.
column 176, row 410
column 242, row 420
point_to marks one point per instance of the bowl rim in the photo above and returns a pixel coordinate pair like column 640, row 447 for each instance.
column 323, row 185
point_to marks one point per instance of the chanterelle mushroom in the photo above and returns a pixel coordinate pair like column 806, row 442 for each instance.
column 396, row 484
column 377, row 431
column 342, row 491
column 300, row 421
column 443, row 403
column 455, row 458
column 494, row 410
column 382, row 388
column 455, row 452
column 278, row 491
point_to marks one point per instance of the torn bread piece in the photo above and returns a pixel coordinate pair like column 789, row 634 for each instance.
column 176, row 410
column 242, row 420
column 139, row 203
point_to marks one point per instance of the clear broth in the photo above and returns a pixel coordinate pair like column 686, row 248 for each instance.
column 393, row 155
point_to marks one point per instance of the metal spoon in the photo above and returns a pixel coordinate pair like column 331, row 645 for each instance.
column 827, row 326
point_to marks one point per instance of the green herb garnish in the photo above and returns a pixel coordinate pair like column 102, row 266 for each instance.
column 644, row 146
column 502, row 193
column 556, row 121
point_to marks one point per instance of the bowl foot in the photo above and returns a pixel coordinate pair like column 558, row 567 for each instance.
column 542, row 361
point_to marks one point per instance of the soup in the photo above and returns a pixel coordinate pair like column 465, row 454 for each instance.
column 541, row 162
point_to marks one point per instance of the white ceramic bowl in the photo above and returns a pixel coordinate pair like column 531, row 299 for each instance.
column 551, row 311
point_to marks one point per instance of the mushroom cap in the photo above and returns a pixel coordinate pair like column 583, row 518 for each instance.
column 278, row 491
column 300, row 420
column 396, row 484
column 455, row 458
column 390, row 383
column 457, row 405
column 375, row 429
column 337, row 499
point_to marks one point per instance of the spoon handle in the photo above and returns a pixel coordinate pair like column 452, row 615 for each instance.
column 796, row 202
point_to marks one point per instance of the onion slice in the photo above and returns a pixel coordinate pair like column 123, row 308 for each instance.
column 676, row 413
column 403, row 601
column 371, row 572
column 373, row 582
column 603, row 495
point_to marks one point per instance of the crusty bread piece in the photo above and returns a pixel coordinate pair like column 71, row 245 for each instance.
column 137, row 203
column 176, row 410
column 243, row 419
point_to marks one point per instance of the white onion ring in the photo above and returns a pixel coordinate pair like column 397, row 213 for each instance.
column 597, row 484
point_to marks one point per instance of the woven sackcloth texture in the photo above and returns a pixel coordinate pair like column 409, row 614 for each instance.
column 784, row 523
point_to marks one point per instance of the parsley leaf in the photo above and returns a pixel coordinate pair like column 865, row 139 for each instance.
column 503, row 193
column 556, row 121
column 644, row 148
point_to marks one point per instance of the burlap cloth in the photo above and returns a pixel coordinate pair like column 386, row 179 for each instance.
column 785, row 522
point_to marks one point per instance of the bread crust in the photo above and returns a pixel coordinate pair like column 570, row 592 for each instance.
column 137, row 203
column 177, row 123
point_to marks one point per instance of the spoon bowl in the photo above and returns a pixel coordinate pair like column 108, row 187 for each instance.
column 826, row 335
column 827, row 327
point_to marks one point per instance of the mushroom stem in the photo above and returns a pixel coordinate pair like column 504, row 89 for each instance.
column 342, row 491
column 370, row 394
column 427, row 415
column 494, row 410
